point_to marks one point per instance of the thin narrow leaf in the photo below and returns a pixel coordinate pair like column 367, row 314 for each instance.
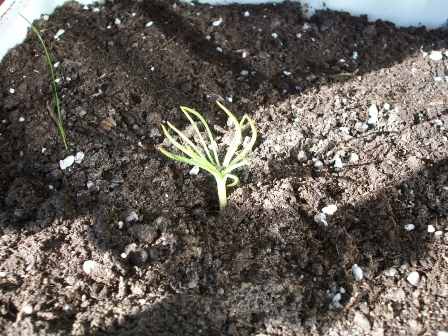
column 201, row 139
column 182, row 159
column 186, row 150
column 235, row 179
column 53, row 77
column 188, row 141
column 175, row 143
column 236, row 164
column 236, row 138
column 254, row 135
column 251, row 142
column 187, row 110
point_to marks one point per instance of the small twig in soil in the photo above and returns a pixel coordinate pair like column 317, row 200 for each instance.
column 166, row 42
column 341, row 74
column 52, row 115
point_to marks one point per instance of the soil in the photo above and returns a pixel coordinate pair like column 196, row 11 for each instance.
column 127, row 242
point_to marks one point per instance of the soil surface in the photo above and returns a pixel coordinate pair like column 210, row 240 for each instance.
column 126, row 242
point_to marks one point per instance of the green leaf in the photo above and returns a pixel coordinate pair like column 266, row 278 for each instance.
column 53, row 77
column 203, row 158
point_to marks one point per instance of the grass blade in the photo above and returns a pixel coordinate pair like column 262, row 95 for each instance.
column 187, row 110
column 236, row 138
column 53, row 78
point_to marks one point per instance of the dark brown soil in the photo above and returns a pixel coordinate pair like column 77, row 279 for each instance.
column 264, row 265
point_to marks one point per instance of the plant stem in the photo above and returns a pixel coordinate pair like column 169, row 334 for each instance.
column 53, row 78
column 222, row 192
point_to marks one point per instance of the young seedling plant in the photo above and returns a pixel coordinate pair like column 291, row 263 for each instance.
column 53, row 78
column 199, row 154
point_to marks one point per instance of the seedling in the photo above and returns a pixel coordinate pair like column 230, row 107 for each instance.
column 199, row 154
column 53, row 78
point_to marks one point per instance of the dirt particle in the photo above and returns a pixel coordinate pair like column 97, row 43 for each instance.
column 137, row 256
column 107, row 124
column 361, row 321
column 14, row 116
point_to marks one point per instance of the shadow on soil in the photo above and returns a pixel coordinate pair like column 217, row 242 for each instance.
column 316, row 60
